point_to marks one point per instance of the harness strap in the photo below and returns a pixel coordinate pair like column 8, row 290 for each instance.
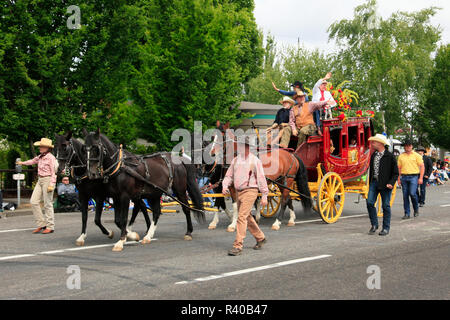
column 294, row 160
column 136, row 175
column 169, row 166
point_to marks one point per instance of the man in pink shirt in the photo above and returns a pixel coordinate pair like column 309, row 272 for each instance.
column 246, row 173
column 45, row 186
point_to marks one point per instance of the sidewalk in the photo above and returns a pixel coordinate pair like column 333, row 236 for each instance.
column 23, row 210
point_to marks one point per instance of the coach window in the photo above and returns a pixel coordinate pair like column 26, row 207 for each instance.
column 335, row 145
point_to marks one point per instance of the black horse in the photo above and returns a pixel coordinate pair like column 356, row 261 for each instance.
column 135, row 177
column 71, row 156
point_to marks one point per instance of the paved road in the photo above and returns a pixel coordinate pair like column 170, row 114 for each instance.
column 309, row 261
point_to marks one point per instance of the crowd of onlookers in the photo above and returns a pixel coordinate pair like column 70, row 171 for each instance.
column 440, row 173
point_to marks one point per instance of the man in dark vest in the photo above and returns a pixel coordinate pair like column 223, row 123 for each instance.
column 383, row 174
column 421, row 189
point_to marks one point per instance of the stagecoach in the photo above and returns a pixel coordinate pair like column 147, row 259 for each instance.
column 335, row 166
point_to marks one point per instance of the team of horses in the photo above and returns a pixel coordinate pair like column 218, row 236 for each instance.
column 102, row 169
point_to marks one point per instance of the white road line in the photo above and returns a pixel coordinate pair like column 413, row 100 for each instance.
column 15, row 230
column 269, row 266
column 346, row 217
column 20, row 256
column 445, row 205
column 17, row 256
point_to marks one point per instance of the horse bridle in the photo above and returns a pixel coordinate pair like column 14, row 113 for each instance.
column 111, row 170
column 99, row 158
column 68, row 159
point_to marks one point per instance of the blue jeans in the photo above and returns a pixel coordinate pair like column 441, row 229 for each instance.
column 409, row 189
column 316, row 117
column 421, row 191
column 203, row 181
column 385, row 203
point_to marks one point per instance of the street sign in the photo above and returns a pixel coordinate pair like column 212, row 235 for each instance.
column 18, row 176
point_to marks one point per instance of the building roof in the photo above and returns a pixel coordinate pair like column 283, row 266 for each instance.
column 255, row 106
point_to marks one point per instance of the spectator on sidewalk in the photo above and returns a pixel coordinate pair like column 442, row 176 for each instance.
column 67, row 193
column 45, row 186
column 411, row 170
column 421, row 190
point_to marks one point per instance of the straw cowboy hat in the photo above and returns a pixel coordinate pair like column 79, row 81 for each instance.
column 380, row 138
column 299, row 93
column 44, row 143
column 287, row 99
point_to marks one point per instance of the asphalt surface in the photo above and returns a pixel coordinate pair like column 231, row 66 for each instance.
column 312, row 260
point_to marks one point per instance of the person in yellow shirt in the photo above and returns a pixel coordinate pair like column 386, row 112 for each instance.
column 411, row 170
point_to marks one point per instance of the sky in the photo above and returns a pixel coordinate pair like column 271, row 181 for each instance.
column 288, row 20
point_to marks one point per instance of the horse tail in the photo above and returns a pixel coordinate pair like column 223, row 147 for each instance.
column 194, row 193
column 302, row 184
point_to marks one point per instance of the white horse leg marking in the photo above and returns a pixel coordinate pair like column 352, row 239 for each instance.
column 214, row 221
column 131, row 235
column 232, row 226
column 229, row 214
column 258, row 211
column 149, row 236
column 80, row 240
column 276, row 225
column 119, row 245
column 291, row 222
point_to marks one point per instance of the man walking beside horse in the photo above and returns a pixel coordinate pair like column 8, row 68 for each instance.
column 246, row 173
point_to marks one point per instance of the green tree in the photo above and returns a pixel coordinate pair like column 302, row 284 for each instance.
column 434, row 115
column 36, row 56
column 136, row 68
column 387, row 60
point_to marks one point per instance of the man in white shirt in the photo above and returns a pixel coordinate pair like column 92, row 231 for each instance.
column 320, row 93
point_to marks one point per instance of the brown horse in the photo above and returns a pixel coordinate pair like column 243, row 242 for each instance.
column 280, row 166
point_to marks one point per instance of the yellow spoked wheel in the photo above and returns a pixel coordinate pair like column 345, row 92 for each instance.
column 273, row 203
column 331, row 197
column 378, row 203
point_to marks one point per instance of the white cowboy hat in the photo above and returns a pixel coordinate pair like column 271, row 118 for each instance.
column 380, row 138
column 44, row 143
column 287, row 99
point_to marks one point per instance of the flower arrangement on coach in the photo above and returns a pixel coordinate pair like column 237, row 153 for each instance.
column 347, row 101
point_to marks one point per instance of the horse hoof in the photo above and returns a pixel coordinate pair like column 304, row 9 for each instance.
column 291, row 224
column 229, row 229
column 212, row 227
column 111, row 235
column 276, row 228
column 187, row 237
column 133, row 236
column 79, row 243
column 145, row 241
column 117, row 249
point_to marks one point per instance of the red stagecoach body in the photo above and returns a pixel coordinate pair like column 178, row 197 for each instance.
column 334, row 151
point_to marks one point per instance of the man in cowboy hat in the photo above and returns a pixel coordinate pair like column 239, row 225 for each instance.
column 281, row 120
column 383, row 174
column 246, row 173
column 421, row 190
column 297, row 85
column 320, row 93
column 301, row 121
column 47, row 167
column 411, row 170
